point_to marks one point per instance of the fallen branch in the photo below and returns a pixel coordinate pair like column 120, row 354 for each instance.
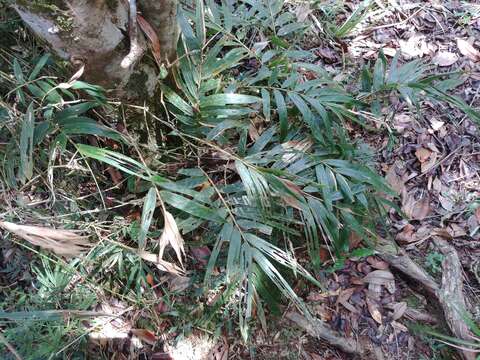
column 317, row 329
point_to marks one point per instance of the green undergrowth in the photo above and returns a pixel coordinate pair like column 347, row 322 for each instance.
column 255, row 163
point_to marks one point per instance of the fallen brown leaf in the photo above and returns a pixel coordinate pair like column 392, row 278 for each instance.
column 145, row 335
column 201, row 254
column 343, row 298
column 150, row 280
column 416, row 209
column 115, row 175
column 394, row 180
column 407, row 235
column 456, row 230
column 423, row 154
column 152, row 37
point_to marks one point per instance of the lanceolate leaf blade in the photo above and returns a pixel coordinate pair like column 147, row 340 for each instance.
column 26, row 143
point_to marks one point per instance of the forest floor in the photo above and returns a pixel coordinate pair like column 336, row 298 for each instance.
column 430, row 156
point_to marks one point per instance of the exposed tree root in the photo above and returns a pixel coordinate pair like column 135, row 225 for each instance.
column 402, row 262
column 449, row 295
column 316, row 328
column 136, row 47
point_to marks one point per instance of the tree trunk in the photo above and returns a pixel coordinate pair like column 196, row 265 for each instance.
column 99, row 34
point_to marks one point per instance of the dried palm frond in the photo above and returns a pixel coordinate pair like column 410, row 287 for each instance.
column 161, row 264
column 61, row 242
column 171, row 236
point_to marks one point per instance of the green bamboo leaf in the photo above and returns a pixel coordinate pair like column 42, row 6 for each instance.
column 282, row 113
column 17, row 71
column 192, row 207
column 379, row 71
column 26, row 143
column 344, row 187
column 177, row 101
column 233, row 257
column 120, row 161
column 75, row 110
column 228, row 99
column 302, row 107
column 85, row 126
column 149, row 206
column 38, row 67
column 266, row 104
column 225, row 125
column 200, row 21
column 323, row 179
column 290, row 28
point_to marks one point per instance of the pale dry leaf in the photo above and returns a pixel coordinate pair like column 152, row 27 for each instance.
column 161, row 264
column 379, row 277
column 374, row 310
column 416, row 209
column 445, row 58
column 61, row 242
column 446, row 202
column 415, row 46
column 302, row 11
column 436, row 124
column 398, row 310
column 397, row 326
column 73, row 79
column 388, row 51
column 468, row 50
column 171, row 236
column 402, row 122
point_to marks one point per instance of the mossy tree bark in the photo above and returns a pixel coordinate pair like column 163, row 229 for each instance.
column 98, row 34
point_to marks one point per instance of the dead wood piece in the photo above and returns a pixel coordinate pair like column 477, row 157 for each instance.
column 317, row 329
column 450, row 295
